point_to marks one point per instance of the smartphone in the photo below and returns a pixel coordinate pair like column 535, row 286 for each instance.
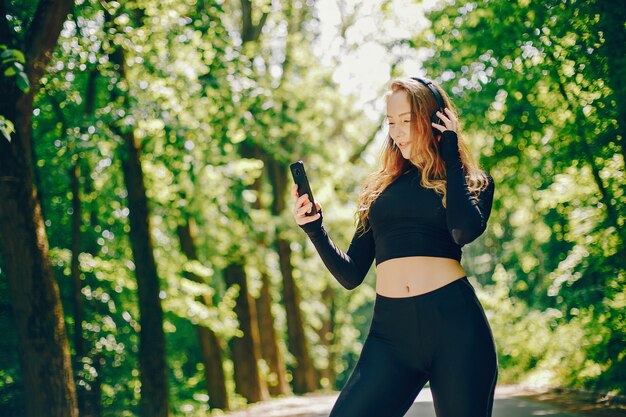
column 299, row 177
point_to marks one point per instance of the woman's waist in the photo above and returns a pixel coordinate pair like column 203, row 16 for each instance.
column 414, row 275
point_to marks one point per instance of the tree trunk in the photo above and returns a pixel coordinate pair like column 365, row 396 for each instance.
column 245, row 349
column 43, row 348
column 92, row 406
column 277, row 383
column 210, row 346
column 77, row 285
column 42, row 339
column 326, row 334
column 304, row 374
column 89, row 398
column 152, row 366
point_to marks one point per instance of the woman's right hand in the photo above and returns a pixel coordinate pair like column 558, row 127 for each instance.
column 302, row 205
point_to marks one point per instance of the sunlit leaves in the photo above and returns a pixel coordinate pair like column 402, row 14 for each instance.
column 540, row 75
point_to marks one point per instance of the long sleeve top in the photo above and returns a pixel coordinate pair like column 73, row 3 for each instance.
column 409, row 220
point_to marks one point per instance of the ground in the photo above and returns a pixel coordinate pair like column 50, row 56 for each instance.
column 510, row 401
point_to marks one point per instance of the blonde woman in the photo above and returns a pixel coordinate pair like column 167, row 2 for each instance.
column 427, row 200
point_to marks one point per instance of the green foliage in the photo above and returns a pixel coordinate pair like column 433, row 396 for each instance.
column 538, row 90
column 12, row 65
column 537, row 85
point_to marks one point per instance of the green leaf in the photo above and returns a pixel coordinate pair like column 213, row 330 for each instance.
column 9, row 72
column 22, row 82
column 5, row 133
column 19, row 55
column 14, row 54
column 6, row 128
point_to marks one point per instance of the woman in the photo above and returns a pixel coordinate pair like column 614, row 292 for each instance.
column 426, row 201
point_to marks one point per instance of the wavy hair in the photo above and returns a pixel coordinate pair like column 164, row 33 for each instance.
column 424, row 152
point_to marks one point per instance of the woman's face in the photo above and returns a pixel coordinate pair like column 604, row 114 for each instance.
column 399, row 119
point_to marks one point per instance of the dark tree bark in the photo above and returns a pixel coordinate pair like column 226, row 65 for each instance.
column 90, row 405
column 250, row 31
column 326, row 335
column 42, row 339
column 89, row 393
column 304, row 374
column 77, row 285
column 277, row 382
column 152, row 364
column 245, row 350
column 212, row 355
column 270, row 351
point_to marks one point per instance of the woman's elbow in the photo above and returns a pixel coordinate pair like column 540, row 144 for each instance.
column 464, row 236
column 350, row 283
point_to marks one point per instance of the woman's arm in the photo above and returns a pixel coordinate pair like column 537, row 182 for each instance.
column 466, row 218
column 348, row 268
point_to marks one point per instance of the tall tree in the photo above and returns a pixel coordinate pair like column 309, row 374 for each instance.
column 305, row 378
column 270, row 351
column 246, row 350
column 210, row 346
column 152, row 364
column 44, row 351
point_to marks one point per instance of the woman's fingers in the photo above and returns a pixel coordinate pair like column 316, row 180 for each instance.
column 304, row 209
column 438, row 127
column 449, row 121
column 302, row 205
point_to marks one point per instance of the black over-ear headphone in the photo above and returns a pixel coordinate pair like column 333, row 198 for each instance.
column 433, row 117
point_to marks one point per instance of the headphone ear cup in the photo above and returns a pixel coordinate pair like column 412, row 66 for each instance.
column 435, row 119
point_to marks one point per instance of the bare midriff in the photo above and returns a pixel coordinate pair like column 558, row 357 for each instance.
column 415, row 275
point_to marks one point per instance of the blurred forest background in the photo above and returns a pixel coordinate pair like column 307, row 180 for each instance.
column 149, row 262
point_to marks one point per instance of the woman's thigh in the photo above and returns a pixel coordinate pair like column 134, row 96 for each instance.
column 465, row 367
column 379, row 385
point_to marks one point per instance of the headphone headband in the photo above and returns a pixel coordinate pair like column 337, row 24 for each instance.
column 433, row 117
column 428, row 83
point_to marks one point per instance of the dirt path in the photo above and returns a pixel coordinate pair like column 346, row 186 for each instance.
column 510, row 401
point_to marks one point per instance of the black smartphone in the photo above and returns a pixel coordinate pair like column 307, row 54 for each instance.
column 299, row 177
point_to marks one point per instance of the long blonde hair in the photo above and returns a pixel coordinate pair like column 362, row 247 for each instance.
column 424, row 152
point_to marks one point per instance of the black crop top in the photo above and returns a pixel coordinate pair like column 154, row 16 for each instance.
column 409, row 220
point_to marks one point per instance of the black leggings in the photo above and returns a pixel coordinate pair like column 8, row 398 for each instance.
column 441, row 336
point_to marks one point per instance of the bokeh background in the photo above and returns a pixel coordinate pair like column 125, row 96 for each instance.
column 149, row 262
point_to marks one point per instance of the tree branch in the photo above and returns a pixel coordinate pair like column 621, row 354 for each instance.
column 249, row 31
column 42, row 37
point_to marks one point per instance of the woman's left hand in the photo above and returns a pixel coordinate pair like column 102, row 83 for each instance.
column 449, row 119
